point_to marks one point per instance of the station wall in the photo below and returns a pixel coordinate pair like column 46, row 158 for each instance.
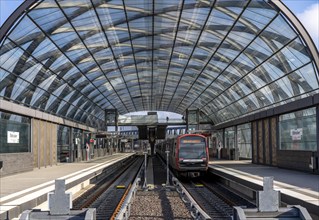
column 264, row 141
column 33, row 141
column 288, row 140
column 44, row 143
column 16, row 163
column 15, row 144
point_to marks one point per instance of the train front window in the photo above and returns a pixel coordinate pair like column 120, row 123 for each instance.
column 192, row 148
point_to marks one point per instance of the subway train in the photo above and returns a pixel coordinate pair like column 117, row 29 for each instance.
column 188, row 154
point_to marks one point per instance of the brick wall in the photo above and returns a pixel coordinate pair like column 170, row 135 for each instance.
column 297, row 160
column 16, row 163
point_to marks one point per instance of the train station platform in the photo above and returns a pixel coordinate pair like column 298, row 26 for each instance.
column 27, row 190
column 297, row 188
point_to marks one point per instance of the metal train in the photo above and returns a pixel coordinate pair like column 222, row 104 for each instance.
column 188, row 154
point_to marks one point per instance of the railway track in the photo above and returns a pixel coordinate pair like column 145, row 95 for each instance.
column 208, row 201
column 158, row 202
column 228, row 196
column 108, row 193
column 215, row 199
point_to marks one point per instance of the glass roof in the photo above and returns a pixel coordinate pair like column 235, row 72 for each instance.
column 229, row 58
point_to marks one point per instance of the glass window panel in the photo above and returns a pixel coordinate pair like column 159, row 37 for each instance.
column 262, row 8
column 47, row 18
column 244, row 141
column 251, row 102
column 260, row 48
column 45, row 47
column 80, row 81
column 279, row 31
column 19, row 87
column 21, row 84
column 272, row 70
column 218, row 17
column 256, row 80
column 42, row 87
column 76, row 52
column 136, row 69
column 60, row 61
column 25, row 31
column 298, row 130
column 246, row 64
column 88, row 88
column 306, row 77
column 228, row 51
column 93, row 94
column 294, row 57
column 209, row 40
column 268, row 93
column 54, row 95
column 72, row 73
column 3, row 74
column 20, row 128
column 240, row 37
column 9, row 59
column 285, row 85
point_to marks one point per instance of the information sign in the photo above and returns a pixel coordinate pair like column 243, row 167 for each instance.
column 13, row 137
column 296, row 134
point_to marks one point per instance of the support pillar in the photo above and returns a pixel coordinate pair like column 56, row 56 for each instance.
column 71, row 159
column 152, row 147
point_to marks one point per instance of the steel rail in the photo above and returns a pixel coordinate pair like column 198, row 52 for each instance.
column 125, row 211
column 196, row 211
column 103, row 188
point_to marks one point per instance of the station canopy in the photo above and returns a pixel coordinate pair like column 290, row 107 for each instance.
column 76, row 58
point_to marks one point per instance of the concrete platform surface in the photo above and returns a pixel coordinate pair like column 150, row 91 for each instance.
column 294, row 178
column 19, row 189
column 296, row 187
column 22, row 181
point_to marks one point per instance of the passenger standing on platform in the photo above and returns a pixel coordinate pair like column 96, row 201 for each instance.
column 219, row 150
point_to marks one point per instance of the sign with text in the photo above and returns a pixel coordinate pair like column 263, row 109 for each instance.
column 296, row 134
column 13, row 137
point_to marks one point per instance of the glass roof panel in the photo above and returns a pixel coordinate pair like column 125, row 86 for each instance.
column 230, row 58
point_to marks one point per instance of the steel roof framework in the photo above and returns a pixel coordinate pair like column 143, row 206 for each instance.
column 77, row 58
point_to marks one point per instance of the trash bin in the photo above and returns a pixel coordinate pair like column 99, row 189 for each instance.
column 223, row 153
column 232, row 154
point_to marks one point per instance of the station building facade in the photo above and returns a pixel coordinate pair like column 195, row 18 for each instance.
column 287, row 140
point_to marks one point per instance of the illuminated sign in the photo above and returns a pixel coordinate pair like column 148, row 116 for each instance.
column 191, row 141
